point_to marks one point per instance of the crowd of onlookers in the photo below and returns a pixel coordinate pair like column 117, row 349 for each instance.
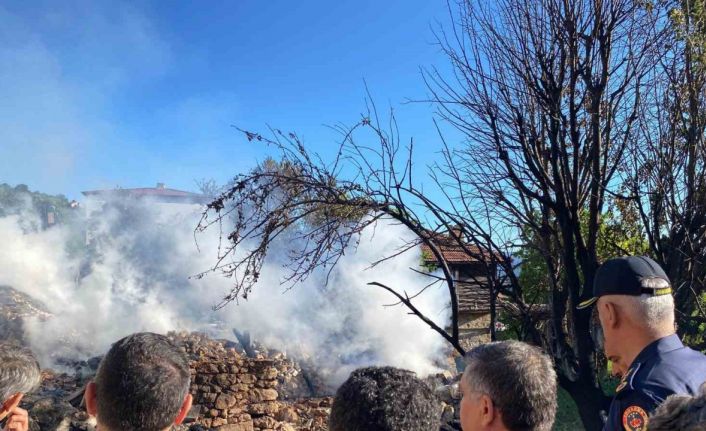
column 142, row 383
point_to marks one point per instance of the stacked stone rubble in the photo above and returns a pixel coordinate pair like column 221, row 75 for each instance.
column 233, row 392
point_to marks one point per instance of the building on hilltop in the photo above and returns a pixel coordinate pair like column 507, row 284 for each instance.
column 170, row 205
column 160, row 195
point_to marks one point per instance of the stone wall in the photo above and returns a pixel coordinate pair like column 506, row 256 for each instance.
column 236, row 391
column 233, row 392
column 474, row 329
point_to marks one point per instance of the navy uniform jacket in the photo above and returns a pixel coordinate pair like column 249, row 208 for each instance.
column 663, row 368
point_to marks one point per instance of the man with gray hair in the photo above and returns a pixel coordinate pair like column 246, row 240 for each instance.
column 19, row 373
column 508, row 386
column 634, row 304
column 681, row 413
column 142, row 384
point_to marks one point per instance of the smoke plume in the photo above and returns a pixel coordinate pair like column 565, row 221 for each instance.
column 134, row 275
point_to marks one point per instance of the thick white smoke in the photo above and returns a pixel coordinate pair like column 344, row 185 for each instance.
column 137, row 278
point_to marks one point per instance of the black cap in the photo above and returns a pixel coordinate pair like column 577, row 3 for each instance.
column 625, row 276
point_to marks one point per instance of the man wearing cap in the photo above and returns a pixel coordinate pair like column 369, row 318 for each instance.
column 634, row 303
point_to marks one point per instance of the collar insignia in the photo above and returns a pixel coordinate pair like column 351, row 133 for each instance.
column 622, row 385
column 627, row 378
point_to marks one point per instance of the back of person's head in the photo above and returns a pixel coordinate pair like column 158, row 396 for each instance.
column 19, row 373
column 651, row 313
column 636, row 298
column 680, row 413
column 384, row 399
column 142, row 384
column 517, row 380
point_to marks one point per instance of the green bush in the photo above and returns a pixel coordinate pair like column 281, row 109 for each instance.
column 567, row 415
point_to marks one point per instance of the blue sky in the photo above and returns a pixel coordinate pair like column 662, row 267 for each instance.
column 100, row 94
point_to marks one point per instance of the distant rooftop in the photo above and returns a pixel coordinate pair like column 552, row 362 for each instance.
column 160, row 193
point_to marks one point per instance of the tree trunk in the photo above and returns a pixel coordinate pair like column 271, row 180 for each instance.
column 590, row 401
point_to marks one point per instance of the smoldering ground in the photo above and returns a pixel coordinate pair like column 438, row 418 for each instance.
column 134, row 274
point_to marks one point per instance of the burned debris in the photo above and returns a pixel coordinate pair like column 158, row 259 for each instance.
column 232, row 391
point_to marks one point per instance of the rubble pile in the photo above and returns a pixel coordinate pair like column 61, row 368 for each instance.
column 446, row 387
column 56, row 405
column 15, row 307
column 235, row 392
column 232, row 392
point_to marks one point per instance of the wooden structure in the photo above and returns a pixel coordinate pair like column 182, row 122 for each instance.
column 471, row 287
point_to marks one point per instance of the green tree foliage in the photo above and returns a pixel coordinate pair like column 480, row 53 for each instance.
column 620, row 234
column 20, row 200
column 319, row 211
column 33, row 208
column 689, row 20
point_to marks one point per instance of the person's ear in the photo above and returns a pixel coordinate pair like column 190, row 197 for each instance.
column 10, row 403
column 612, row 316
column 185, row 407
column 89, row 397
column 487, row 410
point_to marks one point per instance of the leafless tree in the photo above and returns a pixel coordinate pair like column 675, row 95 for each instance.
column 321, row 214
column 665, row 173
column 547, row 94
column 208, row 187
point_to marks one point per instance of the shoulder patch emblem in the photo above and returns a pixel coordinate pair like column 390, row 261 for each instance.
column 635, row 419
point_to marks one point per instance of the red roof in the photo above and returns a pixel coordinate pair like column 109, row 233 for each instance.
column 452, row 251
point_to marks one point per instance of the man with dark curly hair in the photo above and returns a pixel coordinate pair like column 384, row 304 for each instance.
column 384, row 399
column 681, row 413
